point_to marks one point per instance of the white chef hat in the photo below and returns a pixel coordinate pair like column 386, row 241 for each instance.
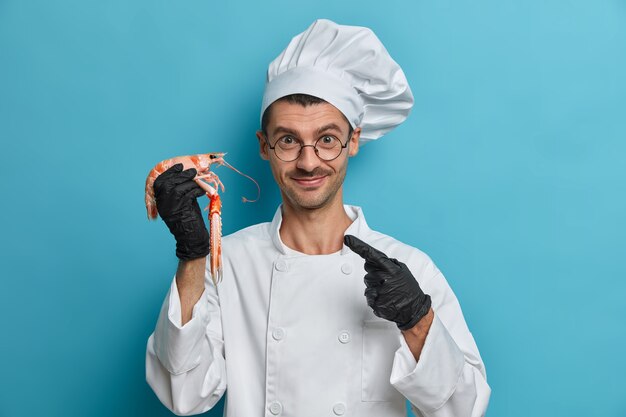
column 348, row 67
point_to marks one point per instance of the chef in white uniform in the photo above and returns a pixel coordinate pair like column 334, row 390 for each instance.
column 317, row 314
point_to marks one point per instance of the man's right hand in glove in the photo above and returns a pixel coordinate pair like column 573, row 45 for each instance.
column 176, row 196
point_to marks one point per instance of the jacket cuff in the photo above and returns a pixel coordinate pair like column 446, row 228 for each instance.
column 178, row 347
column 429, row 383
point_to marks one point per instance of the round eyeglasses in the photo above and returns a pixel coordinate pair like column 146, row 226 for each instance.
column 288, row 148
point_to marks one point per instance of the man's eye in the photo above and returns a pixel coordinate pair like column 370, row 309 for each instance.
column 328, row 142
column 288, row 143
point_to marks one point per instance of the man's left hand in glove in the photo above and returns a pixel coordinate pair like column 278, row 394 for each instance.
column 392, row 291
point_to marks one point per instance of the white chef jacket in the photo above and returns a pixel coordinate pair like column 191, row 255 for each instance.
column 291, row 334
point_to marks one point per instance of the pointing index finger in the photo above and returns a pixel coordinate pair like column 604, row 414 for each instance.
column 371, row 255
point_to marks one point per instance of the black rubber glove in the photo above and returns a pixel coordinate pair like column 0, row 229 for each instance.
column 176, row 196
column 392, row 291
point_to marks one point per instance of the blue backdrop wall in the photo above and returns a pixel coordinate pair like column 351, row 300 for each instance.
column 509, row 173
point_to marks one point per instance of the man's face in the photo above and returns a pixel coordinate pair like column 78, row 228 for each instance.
column 308, row 182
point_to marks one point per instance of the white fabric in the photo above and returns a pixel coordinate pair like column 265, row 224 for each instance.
column 292, row 334
column 348, row 67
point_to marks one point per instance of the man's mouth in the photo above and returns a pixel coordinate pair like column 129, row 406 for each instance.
column 310, row 181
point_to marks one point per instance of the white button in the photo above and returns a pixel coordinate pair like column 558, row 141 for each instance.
column 278, row 333
column 346, row 269
column 339, row 408
column 344, row 337
column 281, row 266
column 276, row 408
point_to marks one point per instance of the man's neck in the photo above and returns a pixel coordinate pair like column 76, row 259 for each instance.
column 314, row 232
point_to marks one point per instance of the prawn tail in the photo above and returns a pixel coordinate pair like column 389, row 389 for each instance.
column 150, row 200
column 215, row 237
column 153, row 213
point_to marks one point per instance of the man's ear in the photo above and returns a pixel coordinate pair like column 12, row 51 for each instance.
column 353, row 149
column 263, row 148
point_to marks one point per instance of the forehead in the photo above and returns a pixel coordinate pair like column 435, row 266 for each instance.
column 303, row 119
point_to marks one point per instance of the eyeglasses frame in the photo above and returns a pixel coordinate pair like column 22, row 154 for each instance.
column 343, row 146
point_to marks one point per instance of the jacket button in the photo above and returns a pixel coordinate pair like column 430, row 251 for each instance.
column 276, row 408
column 344, row 337
column 281, row 266
column 278, row 333
column 339, row 409
column 346, row 269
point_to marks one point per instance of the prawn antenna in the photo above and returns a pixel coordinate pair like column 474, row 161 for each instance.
column 244, row 199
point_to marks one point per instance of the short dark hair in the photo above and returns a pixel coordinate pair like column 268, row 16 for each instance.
column 302, row 99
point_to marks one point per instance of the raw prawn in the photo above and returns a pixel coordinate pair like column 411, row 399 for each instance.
column 211, row 184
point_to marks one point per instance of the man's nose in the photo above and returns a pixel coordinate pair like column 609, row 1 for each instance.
column 308, row 159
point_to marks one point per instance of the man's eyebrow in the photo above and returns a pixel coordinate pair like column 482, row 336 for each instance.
column 330, row 126
column 283, row 129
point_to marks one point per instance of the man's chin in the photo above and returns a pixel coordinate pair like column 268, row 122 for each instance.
column 307, row 202
column 309, row 205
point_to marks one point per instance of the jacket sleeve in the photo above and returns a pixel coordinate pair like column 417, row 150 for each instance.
column 185, row 365
column 450, row 379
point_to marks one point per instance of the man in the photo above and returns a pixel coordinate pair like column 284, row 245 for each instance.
column 317, row 314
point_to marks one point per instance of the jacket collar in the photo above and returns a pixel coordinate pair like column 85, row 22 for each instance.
column 358, row 228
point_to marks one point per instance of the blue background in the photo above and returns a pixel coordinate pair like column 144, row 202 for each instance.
column 509, row 172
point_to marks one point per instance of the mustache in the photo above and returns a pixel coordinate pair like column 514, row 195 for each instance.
column 301, row 173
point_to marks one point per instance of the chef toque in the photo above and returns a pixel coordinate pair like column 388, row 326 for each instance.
column 348, row 67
